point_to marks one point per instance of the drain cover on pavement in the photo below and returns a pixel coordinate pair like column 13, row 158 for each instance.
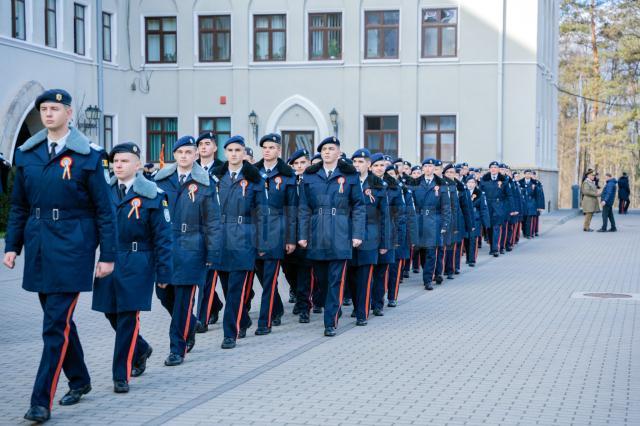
column 606, row 295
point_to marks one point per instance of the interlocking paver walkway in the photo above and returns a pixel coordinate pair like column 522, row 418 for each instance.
column 504, row 343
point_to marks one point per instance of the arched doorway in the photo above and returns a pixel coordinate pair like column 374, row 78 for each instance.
column 29, row 127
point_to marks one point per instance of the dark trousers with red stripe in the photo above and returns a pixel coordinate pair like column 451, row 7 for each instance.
column 395, row 275
column 458, row 254
column 62, row 349
column 178, row 301
column 331, row 274
column 417, row 258
column 495, row 236
column 450, row 258
column 300, row 277
column 210, row 301
column 429, row 258
column 380, row 285
column 440, row 259
column 359, row 282
column 511, row 234
column 529, row 229
column 471, row 248
column 235, row 285
column 271, row 303
column 129, row 343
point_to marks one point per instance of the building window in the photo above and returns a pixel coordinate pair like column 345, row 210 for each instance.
column 18, row 19
column 161, row 34
column 106, row 36
column 215, row 38
column 438, row 134
column 270, row 37
column 325, row 36
column 381, row 134
column 292, row 140
column 161, row 133
column 439, row 33
column 108, row 132
column 78, row 29
column 382, row 32
column 221, row 126
column 50, row 32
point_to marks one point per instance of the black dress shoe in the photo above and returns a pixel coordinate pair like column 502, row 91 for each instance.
column 141, row 363
column 120, row 386
column 191, row 340
column 263, row 331
column 392, row 304
column 74, row 395
column 428, row 287
column 242, row 333
column 405, row 274
column 173, row 360
column 353, row 313
column 202, row 328
column 449, row 276
column 228, row 343
column 439, row 279
column 613, row 230
column 361, row 322
column 509, row 249
column 501, row 251
column 304, row 317
column 457, row 272
column 317, row 309
column 38, row 414
column 415, row 271
column 347, row 302
column 296, row 310
column 330, row 331
column 214, row 317
column 276, row 320
column 378, row 312
column 601, row 230
column 495, row 254
column 472, row 264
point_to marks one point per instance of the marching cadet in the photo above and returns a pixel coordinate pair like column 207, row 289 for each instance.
column 464, row 171
column 248, row 155
column 296, row 266
column 149, row 171
column 209, row 305
column 415, row 252
column 468, row 223
column 480, row 217
column 195, row 221
column 541, row 203
column 143, row 257
column 433, row 212
column 279, row 233
column 317, row 158
column 530, row 189
column 60, row 212
column 497, row 193
column 460, row 217
column 377, row 236
column 513, row 206
column 331, row 222
column 242, row 200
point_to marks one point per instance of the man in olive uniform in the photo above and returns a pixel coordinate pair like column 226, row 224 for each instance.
column 60, row 212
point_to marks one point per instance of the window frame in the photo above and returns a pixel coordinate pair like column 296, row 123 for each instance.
column 325, row 36
column 47, row 42
column 14, row 17
column 110, row 27
column 438, row 133
column 161, row 33
column 439, row 26
column 200, row 129
column 147, row 133
column 381, row 27
column 84, row 28
column 198, row 41
column 269, row 31
column 380, row 132
column 105, row 128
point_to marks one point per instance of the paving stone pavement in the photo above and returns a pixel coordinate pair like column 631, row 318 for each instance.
column 504, row 343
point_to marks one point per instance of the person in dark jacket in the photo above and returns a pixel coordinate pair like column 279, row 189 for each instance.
column 60, row 212
column 242, row 202
column 624, row 193
column 493, row 184
column 540, row 203
column 607, row 199
column 530, row 190
column 143, row 258
column 195, row 221
column 331, row 222
column 480, row 218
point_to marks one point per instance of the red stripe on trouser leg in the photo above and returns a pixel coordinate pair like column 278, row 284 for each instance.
column 386, row 279
column 475, row 256
column 499, row 237
column 241, row 305
column 213, row 292
column 63, row 352
column 132, row 346
column 247, row 294
column 274, row 284
column 395, row 296
column 311, row 290
column 187, row 323
column 344, row 268
column 433, row 275
column 367, row 302
column 453, row 258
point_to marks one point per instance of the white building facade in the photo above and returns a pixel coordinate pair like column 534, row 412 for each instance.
column 461, row 80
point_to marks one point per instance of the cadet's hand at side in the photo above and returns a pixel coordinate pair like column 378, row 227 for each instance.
column 10, row 259
column 162, row 285
column 103, row 269
column 290, row 248
column 302, row 243
column 356, row 243
column 383, row 251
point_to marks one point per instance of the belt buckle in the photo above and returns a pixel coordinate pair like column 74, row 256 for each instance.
column 183, row 228
column 333, row 211
column 239, row 219
column 134, row 246
column 319, row 210
column 37, row 212
column 426, row 212
column 55, row 214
